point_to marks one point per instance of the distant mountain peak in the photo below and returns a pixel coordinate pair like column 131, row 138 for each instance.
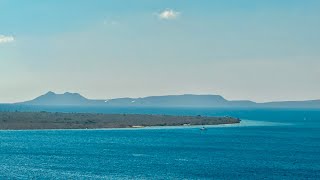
column 52, row 98
column 72, row 94
column 185, row 100
column 50, row 93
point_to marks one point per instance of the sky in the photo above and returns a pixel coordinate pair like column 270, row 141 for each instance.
column 262, row 50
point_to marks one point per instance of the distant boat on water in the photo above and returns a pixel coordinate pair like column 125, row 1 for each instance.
column 203, row 129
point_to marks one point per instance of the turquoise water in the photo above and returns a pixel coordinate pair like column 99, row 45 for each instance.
column 272, row 144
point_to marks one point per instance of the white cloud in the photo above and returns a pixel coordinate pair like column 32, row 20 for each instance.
column 6, row 39
column 168, row 14
column 110, row 22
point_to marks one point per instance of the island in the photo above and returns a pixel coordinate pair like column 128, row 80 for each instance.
column 49, row 120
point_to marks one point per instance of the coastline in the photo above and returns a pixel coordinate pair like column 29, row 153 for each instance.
column 133, row 128
column 83, row 121
column 242, row 123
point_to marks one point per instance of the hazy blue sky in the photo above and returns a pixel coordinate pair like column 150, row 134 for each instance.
column 261, row 50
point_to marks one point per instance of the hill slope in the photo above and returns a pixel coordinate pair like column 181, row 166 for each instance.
column 187, row 100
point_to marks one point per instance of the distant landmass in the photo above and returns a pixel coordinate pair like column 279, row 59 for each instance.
column 47, row 120
column 186, row 100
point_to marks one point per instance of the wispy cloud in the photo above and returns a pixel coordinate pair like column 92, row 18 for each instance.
column 6, row 39
column 168, row 14
column 110, row 22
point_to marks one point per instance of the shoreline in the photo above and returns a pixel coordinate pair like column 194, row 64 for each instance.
column 82, row 121
column 242, row 123
column 131, row 128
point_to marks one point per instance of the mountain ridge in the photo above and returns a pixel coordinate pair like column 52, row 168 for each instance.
column 186, row 100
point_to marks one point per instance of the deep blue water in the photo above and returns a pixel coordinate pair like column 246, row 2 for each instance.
column 273, row 144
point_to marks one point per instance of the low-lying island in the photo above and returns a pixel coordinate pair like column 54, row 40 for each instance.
column 47, row 120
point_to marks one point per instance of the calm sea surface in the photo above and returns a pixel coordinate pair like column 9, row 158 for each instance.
column 268, row 144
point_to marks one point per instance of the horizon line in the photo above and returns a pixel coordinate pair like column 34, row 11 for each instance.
column 194, row 94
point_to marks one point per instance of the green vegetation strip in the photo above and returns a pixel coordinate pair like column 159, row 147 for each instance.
column 46, row 120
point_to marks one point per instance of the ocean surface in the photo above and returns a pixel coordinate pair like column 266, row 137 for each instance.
column 267, row 144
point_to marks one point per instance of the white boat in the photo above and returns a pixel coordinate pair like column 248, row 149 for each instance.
column 203, row 128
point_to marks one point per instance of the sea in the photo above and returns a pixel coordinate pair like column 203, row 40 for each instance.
column 267, row 144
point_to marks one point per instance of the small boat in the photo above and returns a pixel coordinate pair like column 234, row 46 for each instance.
column 203, row 128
